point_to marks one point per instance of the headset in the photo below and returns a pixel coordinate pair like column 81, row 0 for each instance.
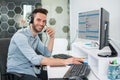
column 31, row 18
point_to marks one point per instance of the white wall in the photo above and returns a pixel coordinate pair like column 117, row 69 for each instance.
column 112, row 6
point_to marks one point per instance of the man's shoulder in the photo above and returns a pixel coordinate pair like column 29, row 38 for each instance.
column 22, row 31
column 19, row 33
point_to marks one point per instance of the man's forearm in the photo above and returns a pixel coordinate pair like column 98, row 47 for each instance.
column 52, row 61
column 50, row 44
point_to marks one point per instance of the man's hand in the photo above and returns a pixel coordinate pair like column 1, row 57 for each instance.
column 50, row 32
column 73, row 60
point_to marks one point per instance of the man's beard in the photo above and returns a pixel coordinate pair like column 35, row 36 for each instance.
column 34, row 28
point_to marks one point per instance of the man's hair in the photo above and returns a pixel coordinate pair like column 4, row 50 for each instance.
column 35, row 11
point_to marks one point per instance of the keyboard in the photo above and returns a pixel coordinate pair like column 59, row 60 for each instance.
column 62, row 56
column 80, row 70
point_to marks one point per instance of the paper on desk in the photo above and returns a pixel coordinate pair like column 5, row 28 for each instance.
column 57, row 72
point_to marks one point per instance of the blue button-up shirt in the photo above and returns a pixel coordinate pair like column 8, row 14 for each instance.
column 21, row 54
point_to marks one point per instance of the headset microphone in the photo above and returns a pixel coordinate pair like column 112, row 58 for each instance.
column 44, row 31
column 45, row 28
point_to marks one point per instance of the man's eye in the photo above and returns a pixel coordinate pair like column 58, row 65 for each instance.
column 44, row 21
column 38, row 20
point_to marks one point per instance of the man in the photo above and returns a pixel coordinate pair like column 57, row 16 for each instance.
column 21, row 54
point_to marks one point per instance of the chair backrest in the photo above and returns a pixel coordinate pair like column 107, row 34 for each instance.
column 4, row 44
column 60, row 46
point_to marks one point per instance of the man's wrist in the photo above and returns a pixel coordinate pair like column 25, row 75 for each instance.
column 52, row 37
column 63, row 61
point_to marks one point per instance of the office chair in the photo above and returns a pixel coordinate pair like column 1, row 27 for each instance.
column 4, row 44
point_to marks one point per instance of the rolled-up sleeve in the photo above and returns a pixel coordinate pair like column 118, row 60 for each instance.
column 27, row 50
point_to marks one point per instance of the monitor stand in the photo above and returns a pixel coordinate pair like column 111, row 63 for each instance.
column 113, row 52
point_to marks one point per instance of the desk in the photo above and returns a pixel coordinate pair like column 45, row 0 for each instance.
column 97, row 64
column 58, row 72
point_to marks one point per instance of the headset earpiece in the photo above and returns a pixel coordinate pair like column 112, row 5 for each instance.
column 31, row 18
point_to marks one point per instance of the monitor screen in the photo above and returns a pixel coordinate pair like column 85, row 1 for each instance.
column 94, row 25
column 88, row 25
column 104, row 28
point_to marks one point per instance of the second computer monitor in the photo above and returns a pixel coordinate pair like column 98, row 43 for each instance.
column 104, row 28
column 94, row 25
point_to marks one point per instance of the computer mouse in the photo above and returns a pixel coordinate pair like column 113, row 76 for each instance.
column 75, row 78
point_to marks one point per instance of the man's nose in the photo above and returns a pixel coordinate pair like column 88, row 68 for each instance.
column 41, row 23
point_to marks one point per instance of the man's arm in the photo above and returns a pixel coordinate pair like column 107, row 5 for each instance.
column 51, row 34
column 58, row 62
column 50, row 44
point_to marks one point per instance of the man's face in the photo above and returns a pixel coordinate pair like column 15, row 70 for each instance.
column 39, row 22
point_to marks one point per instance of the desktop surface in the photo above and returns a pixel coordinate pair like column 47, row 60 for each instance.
column 98, row 65
column 73, row 72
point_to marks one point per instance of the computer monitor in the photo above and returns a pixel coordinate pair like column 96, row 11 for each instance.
column 93, row 26
column 104, row 34
column 104, row 28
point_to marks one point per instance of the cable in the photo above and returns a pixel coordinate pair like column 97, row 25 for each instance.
column 46, row 39
column 74, row 38
column 46, row 35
